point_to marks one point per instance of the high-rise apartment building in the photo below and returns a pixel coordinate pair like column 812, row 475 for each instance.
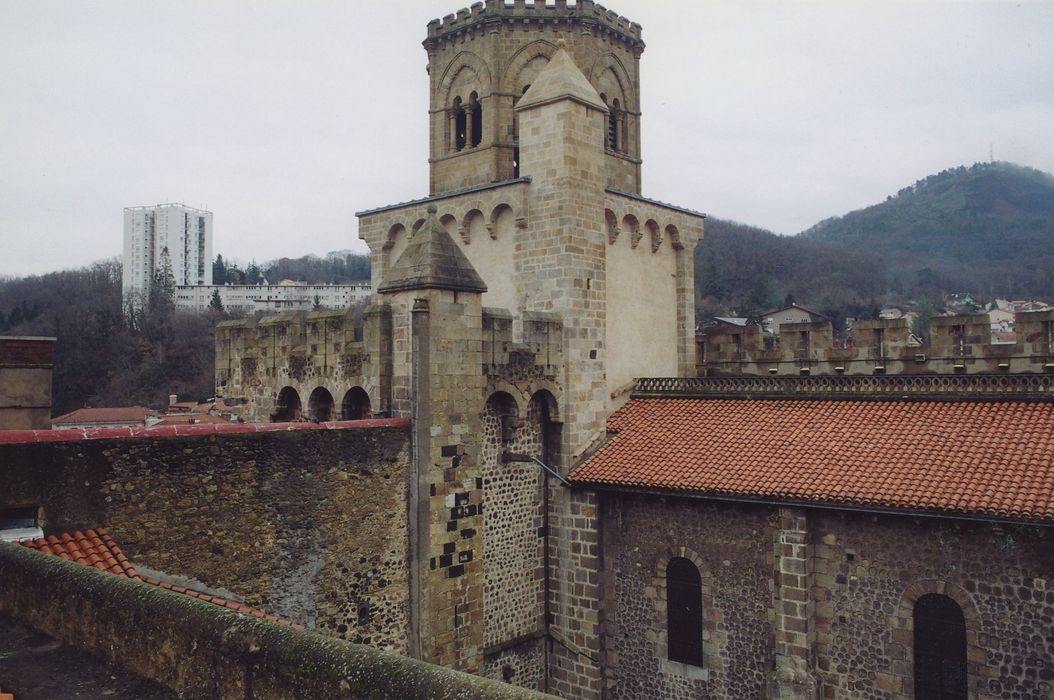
column 175, row 233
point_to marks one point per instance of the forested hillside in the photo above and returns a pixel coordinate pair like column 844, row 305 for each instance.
column 987, row 230
column 107, row 357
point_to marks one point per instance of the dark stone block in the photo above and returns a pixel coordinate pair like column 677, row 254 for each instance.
column 445, row 560
column 451, row 525
column 464, row 556
column 456, row 571
column 468, row 533
column 448, row 548
column 449, row 451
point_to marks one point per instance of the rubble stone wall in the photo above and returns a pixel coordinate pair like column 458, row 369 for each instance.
column 307, row 524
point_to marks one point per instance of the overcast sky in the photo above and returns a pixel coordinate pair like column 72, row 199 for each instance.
column 285, row 118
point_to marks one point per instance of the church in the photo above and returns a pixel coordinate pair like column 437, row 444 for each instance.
column 522, row 475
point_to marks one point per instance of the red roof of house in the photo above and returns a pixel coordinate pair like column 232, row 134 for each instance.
column 979, row 458
column 190, row 419
column 96, row 548
column 122, row 414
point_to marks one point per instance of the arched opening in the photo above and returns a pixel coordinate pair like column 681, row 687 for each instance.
column 475, row 122
column 355, row 405
column 516, row 134
column 684, row 612
column 502, row 407
column 460, row 124
column 614, row 114
column 287, row 406
column 939, row 648
column 320, row 405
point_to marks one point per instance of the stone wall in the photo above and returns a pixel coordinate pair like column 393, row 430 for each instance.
column 957, row 345
column 305, row 522
column 201, row 650
column 731, row 546
column 804, row 603
column 870, row 570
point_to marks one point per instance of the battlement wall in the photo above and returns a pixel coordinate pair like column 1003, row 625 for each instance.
column 957, row 344
column 524, row 13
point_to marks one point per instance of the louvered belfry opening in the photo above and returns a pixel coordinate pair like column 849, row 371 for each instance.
column 940, row 649
column 684, row 612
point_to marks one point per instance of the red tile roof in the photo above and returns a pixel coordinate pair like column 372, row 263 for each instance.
column 96, row 548
column 121, row 414
column 190, row 419
column 989, row 459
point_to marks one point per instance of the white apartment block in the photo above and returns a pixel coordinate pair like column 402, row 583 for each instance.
column 286, row 295
column 184, row 232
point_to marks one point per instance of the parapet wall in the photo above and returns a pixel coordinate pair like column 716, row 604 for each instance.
column 957, row 344
column 305, row 521
column 585, row 12
column 201, row 650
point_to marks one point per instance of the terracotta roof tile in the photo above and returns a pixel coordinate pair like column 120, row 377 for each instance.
column 980, row 458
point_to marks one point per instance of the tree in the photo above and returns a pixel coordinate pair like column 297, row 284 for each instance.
column 219, row 271
column 161, row 300
column 318, row 303
column 215, row 303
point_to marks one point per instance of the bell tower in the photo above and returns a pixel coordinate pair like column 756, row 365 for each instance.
column 482, row 60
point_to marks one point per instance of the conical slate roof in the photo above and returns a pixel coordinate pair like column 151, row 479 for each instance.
column 561, row 79
column 432, row 260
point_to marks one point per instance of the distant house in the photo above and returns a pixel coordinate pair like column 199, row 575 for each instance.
column 790, row 314
column 120, row 417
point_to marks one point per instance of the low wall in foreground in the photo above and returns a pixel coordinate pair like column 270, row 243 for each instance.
column 201, row 650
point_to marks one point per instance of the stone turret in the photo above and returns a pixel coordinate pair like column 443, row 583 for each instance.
column 437, row 378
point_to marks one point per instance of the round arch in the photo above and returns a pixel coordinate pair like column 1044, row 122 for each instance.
column 464, row 61
column 287, row 406
column 511, row 81
column 355, row 405
column 320, row 405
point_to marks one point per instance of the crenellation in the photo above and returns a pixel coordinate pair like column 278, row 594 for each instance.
column 957, row 344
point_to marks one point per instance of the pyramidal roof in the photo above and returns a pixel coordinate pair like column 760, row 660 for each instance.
column 561, row 79
column 432, row 260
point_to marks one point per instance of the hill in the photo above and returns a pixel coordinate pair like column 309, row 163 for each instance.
column 987, row 230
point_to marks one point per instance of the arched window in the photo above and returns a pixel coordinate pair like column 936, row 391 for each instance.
column 940, row 649
column 684, row 612
column 475, row 125
column 613, row 125
column 460, row 125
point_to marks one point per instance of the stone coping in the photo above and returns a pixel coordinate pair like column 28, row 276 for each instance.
column 14, row 437
column 200, row 650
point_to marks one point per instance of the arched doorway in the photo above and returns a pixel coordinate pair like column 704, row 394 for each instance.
column 320, row 405
column 287, row 406
column 356, row 404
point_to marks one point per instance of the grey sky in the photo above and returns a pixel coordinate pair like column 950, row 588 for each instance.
column 284, row 118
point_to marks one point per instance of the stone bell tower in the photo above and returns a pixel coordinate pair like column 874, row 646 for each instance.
column 482, row 60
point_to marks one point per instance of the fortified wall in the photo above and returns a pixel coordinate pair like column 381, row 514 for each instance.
column 958, row 345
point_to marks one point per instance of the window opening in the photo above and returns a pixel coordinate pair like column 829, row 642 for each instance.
column 459, row 125
column 613, row 116
column 940, row 649
column 684, row 612
column 475, row 125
